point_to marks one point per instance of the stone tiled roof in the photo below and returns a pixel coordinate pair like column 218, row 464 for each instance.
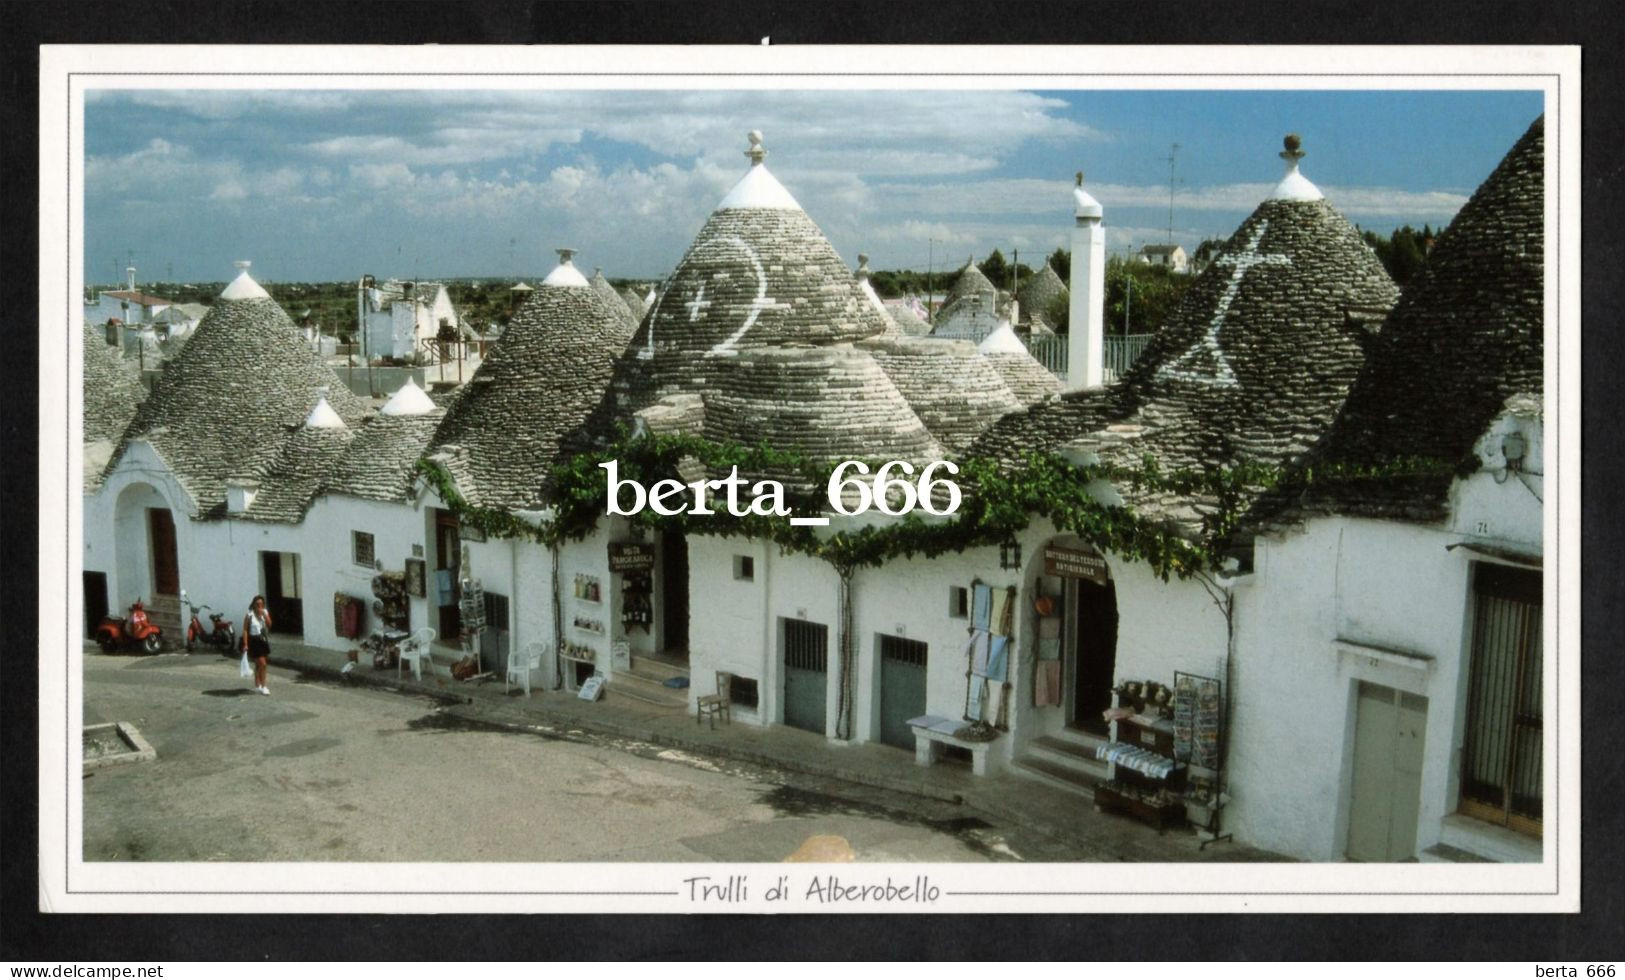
column 634, row 302
column 112, row 388
column 625, row 318
column 537, row 384
column 908, row 320
column 1036, row 295
column 1028, row 380
column 296, row 474
column 238, row 390
column 1464, row 342
column 1252, row 365
column 380, row 463
column 971, row 282
column 972, row 317
column 954, row 390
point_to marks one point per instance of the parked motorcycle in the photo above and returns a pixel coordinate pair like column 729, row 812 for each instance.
column 136, row 632
column 219, row 633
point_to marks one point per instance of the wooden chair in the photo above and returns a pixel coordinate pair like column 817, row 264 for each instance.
column 520, row 665
column 711, row 705
column 416, row 649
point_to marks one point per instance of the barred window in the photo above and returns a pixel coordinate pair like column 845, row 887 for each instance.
column 361, row 548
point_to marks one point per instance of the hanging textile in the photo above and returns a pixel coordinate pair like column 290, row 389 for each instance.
column 1047, row 683
column 981, row 607
column 979, row 645
column 997, row 656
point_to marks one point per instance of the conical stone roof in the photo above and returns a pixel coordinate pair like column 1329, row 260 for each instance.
column 633, row 302
column 627, row 320
column 238, row 390
column 909, row 321
column 112, row 388
column 971, row 282
column 1253, row 363
column 537, row 384
column 1030, row 381
column 294, row 476
column 1466, row 339
column 954, row 390
column 760, row 273
column 1039, row 293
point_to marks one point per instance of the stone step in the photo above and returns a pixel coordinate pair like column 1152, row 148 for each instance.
column 1446, row 854
column 1057, row 775
column 655, row 669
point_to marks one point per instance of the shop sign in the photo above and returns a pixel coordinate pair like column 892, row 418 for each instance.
column 631, row 557
column 1075, row 563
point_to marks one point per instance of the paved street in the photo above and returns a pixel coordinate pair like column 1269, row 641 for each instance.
column 326, row 771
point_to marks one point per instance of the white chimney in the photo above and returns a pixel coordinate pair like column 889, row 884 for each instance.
column 129, row 276
column 240, row 495
column 1086, row 350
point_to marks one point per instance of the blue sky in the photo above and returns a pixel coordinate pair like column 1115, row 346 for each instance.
column 327, row 185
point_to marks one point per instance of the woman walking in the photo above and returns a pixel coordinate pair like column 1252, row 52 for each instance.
column 257, row 641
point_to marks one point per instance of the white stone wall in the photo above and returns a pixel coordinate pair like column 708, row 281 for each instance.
column 1350, row 600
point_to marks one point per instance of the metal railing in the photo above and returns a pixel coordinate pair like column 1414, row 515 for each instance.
column 1121, row 352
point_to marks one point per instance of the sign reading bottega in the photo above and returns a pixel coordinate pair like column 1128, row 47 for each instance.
column 849, row 493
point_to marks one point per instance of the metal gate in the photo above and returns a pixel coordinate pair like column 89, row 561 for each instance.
column 902, row 689
column 806, row 668
column 1501, row 759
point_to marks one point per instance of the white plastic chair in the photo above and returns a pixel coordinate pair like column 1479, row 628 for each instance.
column 416, row 649
column 520, row 665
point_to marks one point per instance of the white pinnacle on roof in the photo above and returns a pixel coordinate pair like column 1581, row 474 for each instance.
column 1002, row 340
column 323, row 416
column 409, row 400
column 867, row 286
column 758, row 188
column 566, row 274
column 244, row 286
column 1294, row 186
column 1084, row 204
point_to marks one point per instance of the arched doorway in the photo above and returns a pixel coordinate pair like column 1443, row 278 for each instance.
column 147, row 554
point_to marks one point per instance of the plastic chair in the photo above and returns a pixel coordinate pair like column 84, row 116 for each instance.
column 522, row 663
column 416, row 649
column 711, row 705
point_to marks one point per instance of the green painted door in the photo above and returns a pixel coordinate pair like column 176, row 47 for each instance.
column 806, row 670
column 902, row 689
column 1389, row 726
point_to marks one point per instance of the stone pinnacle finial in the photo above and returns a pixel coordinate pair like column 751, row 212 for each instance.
column 1294, row 148
column 564, row 255
column 1079, row 179
column 756, row 153
column 242, row 264
column 863, row 265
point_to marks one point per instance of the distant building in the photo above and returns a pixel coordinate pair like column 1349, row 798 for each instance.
column 127, row 305
column 1170, row 257
column 410, row 321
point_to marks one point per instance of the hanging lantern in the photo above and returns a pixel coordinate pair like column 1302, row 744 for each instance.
column 1010, row 554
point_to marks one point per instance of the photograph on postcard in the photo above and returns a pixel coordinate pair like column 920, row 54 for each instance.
column 992, row 480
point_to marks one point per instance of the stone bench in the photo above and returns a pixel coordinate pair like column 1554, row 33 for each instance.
column 932, row 733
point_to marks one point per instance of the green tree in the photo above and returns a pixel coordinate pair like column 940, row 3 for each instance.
column 996, row 269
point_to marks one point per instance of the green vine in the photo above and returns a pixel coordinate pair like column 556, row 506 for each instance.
column 997, row 503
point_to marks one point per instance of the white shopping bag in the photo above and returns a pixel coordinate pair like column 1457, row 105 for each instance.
column 243, row 668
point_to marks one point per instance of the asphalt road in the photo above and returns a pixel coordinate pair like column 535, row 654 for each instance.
column 323, row 771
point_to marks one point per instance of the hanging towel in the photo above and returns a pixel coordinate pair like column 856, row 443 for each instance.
column 998, row 618
column 997, row 656
column 981, row 605
column 1047, row 683
column 442, row 585
column 1049, row 648
column 978, row 691
column 979, row 645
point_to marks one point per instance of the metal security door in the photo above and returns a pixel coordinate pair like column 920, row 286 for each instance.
column 1389, row 727
column 806, row 668
column 902, row 689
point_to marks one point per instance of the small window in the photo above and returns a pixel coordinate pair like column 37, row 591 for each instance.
column 496, row 611
column 958, row 602
column 744, row 568
column 361, row 546
column 742, row 692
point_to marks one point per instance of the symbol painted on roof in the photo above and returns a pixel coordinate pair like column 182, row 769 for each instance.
column 698, row 303
column 761, row 303
column 1205, row 362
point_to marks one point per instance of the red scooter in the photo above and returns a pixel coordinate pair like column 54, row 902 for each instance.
column 219, row 634
column 137, row 632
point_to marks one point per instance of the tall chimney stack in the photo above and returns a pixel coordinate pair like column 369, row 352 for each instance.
column 129, row 276
column 1086, row 348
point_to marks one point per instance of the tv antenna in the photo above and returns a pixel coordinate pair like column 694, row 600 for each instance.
column 1173, row 153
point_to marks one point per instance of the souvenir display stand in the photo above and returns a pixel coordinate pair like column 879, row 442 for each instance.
column 1198, row 718
column 1147, row 781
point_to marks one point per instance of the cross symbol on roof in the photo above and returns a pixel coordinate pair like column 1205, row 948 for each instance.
column 695, row 305
column 1205, row 362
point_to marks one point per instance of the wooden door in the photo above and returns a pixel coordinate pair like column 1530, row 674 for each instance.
column 95, row 600
column 1093, row 638
column 806, row 674
column 166, row 574
column 448, row 557
column 674, row 593
column 1501, row 769
column 1389, row 730
column 283, row 597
